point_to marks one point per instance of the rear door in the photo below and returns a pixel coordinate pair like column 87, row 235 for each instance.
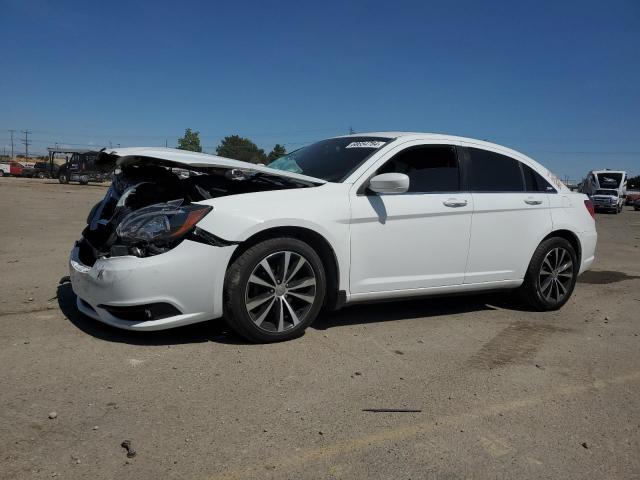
column 511, row 215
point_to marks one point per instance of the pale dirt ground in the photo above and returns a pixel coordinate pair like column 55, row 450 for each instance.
column 504, row 393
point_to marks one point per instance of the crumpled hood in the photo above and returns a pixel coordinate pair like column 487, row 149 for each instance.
column 171, row 157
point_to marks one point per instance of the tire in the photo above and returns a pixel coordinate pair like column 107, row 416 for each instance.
column 544, row 292
column 40, row 175
column 263, row 305
column 62, row 178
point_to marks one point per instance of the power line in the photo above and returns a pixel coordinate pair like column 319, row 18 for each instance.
column 165, row 135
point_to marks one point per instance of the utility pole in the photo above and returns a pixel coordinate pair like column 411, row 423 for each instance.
column 12, row 132
column 351, row 131
column 26, row 143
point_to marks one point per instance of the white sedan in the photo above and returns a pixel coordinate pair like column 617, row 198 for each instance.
column 185, row 237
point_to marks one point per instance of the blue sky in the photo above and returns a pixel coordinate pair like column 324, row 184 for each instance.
column 559, row 81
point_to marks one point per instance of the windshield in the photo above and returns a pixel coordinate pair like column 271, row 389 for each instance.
column 607, row 192
column 332, row 160
column 609, row 179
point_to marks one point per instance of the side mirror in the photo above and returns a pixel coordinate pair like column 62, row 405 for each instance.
column 389, row 183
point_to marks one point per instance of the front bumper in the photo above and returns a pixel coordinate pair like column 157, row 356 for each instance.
column 604, row 205
column 189, row 277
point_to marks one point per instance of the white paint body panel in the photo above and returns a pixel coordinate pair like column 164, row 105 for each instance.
column 506, row 231
column 186, row 158
column 568, row 213
column 408, row 241
column 187, row 277
column 386, row 246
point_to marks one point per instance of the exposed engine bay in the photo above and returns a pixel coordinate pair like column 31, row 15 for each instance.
column 150, row 207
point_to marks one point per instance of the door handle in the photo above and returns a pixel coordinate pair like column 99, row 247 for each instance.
column 533, row 202
column 453, row 203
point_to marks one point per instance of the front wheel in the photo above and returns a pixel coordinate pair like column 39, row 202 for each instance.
column 62, row 178
column 274, row 290
column 551, row 276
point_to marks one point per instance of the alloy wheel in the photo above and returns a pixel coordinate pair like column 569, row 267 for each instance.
column 556, row 275
column 280, row 291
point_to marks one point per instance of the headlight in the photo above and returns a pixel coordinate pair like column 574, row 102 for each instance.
column 161, row 223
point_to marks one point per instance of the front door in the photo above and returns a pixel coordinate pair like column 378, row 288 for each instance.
column 417, row 239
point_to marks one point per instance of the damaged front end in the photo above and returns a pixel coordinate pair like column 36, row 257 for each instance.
column 153, row 203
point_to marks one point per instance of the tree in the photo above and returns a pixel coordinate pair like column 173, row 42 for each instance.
column 277, row 152
column 190, row 141
column 239, row 148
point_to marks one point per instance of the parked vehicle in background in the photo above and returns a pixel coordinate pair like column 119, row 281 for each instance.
column 45, row 170
column 631, row 197
column 16, row 169
column 605, row 179
column 27, row 169
column 5, row 169
column 80, row 167
column 365, row 217
column 607, row 200
column 636, row 204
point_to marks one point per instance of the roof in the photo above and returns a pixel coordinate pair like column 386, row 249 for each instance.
column 431, row 136
column 441, row 137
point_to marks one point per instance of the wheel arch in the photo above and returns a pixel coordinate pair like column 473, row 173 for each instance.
column 569, row 236
column 334, row 297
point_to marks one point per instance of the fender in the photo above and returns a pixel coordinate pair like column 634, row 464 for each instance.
column 323, row 209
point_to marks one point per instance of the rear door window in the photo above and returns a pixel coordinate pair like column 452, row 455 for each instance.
column 534, row 182
column 492, row 172
column 430, row 168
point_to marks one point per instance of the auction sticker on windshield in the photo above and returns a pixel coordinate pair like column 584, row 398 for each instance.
column 367, row 144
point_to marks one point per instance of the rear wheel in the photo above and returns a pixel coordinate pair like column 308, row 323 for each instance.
column 551, row 276
column 274, row 290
